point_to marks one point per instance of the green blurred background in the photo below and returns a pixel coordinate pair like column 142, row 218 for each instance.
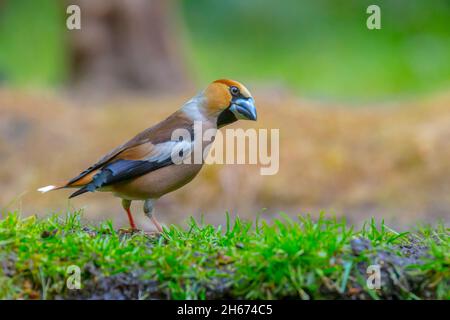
column 318, row 49
column 364, row 115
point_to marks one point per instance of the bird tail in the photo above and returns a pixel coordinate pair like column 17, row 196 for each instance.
column 78, row 192
column 50, row 188
column 57, row 187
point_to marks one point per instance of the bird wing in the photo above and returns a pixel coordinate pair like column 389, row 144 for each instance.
column 147, row 151
column 119, row 170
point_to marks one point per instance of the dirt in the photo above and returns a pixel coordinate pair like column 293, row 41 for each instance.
column 396, row 276
column 115, row 287
column 396, row 279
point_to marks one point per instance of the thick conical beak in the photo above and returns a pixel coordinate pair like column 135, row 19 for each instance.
column 244, row 108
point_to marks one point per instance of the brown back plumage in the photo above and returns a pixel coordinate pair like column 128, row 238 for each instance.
column 136, row 148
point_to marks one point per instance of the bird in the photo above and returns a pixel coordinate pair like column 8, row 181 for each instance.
column 144, row 168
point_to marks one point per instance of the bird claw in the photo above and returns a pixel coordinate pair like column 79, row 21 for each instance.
column 152, row 234
column 129, row 231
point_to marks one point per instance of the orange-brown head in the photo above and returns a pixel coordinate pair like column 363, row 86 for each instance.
column 229, row 101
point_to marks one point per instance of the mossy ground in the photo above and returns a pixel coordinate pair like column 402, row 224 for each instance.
column 299, row 259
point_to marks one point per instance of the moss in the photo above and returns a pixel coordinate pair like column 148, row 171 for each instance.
column 301, row 259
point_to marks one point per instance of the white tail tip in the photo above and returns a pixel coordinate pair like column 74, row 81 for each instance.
column 46, row 189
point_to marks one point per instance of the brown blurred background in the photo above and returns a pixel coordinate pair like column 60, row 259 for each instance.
column 364, row 116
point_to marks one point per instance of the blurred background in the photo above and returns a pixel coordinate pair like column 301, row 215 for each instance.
column 364, row 115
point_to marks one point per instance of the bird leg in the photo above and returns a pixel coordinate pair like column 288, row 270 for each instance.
column 126, row 205
column 148, row 210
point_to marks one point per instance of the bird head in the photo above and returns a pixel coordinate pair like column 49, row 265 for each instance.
column 228, row 101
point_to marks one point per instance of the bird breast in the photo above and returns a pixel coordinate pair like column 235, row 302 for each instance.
column 155, row 184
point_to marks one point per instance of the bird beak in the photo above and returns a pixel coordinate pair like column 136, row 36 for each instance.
column 244, row 108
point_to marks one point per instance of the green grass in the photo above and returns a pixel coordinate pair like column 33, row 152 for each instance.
column 301, row 259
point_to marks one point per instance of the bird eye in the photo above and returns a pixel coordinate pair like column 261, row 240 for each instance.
column 234, row 91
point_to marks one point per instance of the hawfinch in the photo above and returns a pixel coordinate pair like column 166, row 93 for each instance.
column 144, row 168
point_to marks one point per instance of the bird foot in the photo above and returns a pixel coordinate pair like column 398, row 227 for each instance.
column 128, row 231
column 152, row 234
column 131, row 231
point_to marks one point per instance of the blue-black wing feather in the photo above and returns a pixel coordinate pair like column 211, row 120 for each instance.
column 120, row 171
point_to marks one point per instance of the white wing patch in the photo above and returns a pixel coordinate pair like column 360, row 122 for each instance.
column 176, row 150
column 46, row 189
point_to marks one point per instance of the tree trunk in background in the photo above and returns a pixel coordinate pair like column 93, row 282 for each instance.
column 129, row 44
